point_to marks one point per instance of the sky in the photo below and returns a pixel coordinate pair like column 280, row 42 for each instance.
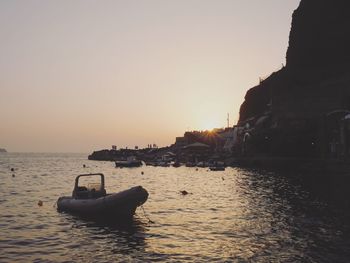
column 82, row 75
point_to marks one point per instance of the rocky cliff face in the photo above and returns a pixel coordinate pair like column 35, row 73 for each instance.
column 299, row 100
column 319, row 50
column 320, row 34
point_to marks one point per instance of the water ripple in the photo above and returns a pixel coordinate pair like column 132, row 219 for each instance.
column 250, row 216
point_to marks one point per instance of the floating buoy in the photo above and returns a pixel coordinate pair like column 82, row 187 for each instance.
column 12, row 169
column 84, row 166
column 40, row 203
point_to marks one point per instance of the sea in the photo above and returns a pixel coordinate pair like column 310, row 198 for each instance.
column 236, row 215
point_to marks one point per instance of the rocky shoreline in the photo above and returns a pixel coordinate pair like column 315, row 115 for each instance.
column 162, row 157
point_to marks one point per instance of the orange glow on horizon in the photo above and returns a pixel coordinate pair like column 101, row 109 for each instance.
column 210, row 124
column 131, row 73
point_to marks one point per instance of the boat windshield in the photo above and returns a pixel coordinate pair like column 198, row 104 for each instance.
column 94, row 186
column 89, row 186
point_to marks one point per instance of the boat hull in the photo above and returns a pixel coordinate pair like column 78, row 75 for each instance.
column 120, row 205
column 217, row 168
column 121, row 164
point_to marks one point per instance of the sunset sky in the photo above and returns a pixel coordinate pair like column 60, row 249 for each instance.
column 78, row 76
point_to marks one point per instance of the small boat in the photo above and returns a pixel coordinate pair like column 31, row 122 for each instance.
column 200, row 164
column 217, row 168
column 151, row 164
column 2, row 150
column 176, row 164
column 163, row 164
column 130, row 162
column 92, row 201
column 189, row 164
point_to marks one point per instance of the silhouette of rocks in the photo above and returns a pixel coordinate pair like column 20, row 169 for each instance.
column 301, row 110
column 320, row 34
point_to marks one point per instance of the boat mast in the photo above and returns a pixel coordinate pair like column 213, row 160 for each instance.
column 228, row 120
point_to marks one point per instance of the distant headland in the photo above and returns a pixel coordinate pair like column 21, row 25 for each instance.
column 202, row 148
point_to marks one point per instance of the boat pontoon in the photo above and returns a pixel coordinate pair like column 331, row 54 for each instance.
column 93, row 201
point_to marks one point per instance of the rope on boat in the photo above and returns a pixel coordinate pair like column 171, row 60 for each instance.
column 144, row 213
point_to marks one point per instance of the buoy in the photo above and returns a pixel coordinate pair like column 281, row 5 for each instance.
column 196, row 169
column 40, row 203
column 84, row 165
column 12, row 169
column 13, row 175
column 142, row 172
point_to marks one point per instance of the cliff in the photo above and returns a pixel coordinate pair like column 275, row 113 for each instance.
column 299, row 100
column 320, row 35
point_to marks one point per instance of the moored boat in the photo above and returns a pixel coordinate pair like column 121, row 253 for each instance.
column 130, row 162
column 217, row 168
column 189, row 164
column 92, row 201
column 176, row 164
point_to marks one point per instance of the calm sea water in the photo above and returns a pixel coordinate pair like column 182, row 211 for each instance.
column 231, row 216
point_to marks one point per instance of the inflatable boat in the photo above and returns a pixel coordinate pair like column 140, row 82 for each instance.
column 92, row 201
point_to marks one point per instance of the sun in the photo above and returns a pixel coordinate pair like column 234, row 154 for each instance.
column 209, row 124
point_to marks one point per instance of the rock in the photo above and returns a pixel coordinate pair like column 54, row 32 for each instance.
column 296, row 99
column 320, row 34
